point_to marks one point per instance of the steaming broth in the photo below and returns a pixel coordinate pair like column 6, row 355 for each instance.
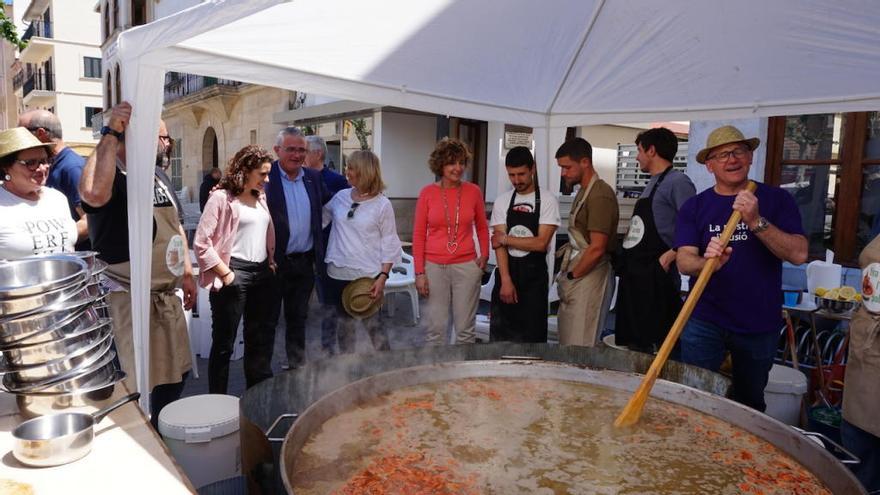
column 505, row 436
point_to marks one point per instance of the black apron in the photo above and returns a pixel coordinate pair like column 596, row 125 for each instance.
column 648, row 299
column 525, row 321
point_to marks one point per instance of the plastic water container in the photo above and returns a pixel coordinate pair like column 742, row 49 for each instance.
column 784, row 392
column 202, row 433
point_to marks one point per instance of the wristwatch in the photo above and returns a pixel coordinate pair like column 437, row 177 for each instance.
column 761, row 226
column 107, row 130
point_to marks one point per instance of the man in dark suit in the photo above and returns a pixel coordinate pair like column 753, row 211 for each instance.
column 295, row 196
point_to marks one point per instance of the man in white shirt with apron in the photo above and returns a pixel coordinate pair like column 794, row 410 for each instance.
column 523, row 222
column 585, row 280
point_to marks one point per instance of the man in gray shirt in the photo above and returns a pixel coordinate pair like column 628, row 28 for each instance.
column 648, row 295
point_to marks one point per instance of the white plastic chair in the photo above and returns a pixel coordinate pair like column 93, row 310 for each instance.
column 403, row 279
column 486, row 289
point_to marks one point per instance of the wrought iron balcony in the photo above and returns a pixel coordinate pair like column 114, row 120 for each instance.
column 180, row 85
column 41, row 29
column 39, row 80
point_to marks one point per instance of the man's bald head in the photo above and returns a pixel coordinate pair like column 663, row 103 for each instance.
column 42, row 123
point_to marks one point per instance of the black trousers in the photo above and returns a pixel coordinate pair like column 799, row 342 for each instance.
column 342, row 324
column 246, row 296
column 162, row 395
column 294, row 284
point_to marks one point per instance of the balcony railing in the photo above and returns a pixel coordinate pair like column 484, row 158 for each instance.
column 179, row 85
column 39, row 80
column 42, row 29
column 17, row 81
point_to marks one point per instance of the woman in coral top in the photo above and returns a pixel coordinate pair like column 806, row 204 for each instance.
column 448, row 267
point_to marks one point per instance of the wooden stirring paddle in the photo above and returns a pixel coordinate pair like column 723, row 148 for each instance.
column 633, row 409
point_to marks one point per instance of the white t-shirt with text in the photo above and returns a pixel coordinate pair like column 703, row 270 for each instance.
column 29, row 228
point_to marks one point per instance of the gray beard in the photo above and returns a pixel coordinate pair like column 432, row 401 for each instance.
column 162, row 161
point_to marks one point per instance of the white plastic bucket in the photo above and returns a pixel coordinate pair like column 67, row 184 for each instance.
column 784, row 392
column 202, row 433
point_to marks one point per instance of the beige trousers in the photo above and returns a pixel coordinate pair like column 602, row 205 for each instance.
column 458, row 285
column 584, row 304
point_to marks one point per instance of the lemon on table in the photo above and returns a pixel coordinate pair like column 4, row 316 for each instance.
column 847, row 293
column 832, row 294
column 821, row 291
column 858, row 298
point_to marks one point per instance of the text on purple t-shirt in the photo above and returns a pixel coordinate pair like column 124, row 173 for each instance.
column 745, row 295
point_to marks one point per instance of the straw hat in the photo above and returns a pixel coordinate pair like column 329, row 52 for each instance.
column 19, row 139
column 725, row 135
column 356, row 299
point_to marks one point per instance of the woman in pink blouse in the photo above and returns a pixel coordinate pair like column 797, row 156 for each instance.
column 235, row 247
column 448, row 268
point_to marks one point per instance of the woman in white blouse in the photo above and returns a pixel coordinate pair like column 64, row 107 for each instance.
column 363, row 243
column 34, row 219
column 235, row 245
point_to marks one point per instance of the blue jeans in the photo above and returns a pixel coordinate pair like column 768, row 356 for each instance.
column 867, row 448
column 703, row 344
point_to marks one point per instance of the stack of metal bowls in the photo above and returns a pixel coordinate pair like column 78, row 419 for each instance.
column 56, row 340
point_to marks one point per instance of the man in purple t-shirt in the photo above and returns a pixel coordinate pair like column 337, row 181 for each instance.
column 740, row 310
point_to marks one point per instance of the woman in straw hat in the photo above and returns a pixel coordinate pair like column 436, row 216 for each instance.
column 33, row 219
column 363, row 243
column 235, row 247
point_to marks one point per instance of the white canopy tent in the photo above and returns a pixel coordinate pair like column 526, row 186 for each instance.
column 547, row 65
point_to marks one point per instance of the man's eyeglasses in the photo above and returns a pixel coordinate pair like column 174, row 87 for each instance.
column 293, row 149
column 34, row 163
column 723, row 156
column 351, row 211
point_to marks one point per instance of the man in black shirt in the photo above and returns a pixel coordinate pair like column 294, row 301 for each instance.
column 104, row 193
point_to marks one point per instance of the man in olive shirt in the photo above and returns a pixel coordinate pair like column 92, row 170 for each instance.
column 585, row 280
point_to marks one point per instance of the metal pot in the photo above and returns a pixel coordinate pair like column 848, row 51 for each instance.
column 86, row 400
column 45, row 351
column 31, row 276
column 97, row 269
column 295, row 390
column 98, row 375
column 90, row 257
column 79, row 359
column 58, row 439
column 15, row 330
column 835, row 305
column 73, row 294
column 827, row 468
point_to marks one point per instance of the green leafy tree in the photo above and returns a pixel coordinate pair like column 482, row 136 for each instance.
column 360, row 130
column 7, row 30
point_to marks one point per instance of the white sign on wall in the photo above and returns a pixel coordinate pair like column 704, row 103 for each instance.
column 514, row 139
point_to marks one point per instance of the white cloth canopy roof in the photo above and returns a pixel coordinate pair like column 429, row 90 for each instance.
column 544, row 64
